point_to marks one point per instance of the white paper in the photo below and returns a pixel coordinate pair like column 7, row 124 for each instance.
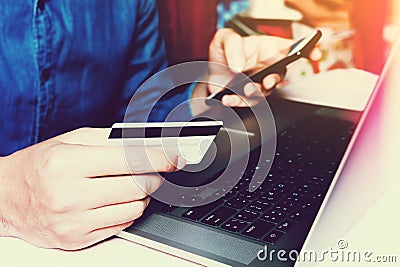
column 340, row 88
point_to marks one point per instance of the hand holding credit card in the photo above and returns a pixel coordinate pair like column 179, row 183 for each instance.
column 301, row 49
column 192, row 139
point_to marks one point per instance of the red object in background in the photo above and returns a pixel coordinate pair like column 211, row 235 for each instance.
column 369, row 18
column 187, row 27
column 276, row 30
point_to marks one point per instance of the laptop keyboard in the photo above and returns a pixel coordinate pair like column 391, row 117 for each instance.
column 301, row 173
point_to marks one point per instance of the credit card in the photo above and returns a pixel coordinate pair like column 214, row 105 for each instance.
column 191, row 139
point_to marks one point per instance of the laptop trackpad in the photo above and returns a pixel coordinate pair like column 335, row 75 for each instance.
column 197, row 237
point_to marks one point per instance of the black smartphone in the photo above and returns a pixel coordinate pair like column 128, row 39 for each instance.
column 300, row 49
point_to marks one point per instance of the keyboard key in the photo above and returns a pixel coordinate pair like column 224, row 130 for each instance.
column 237, row 202
column 314, row 183
column 272, row 178
column 249, row 196
column 303, row 191
column 270, row 197
column 290, row 184
column 318, row 198
column 260, row 189
column 298, row 215
column 296, row 194
column 218, row 216
column 286, row 206
column 317, row 179
column 247, row 215
column 234, row 225
column 197, row 213
column 286, row 225
column 274, row 216
column 327, row 174
column 258, row 206
column 307, row 186
column 258, row 229
column 273, row 237
column 294, row 199
column 308, row 205
column 280, row 189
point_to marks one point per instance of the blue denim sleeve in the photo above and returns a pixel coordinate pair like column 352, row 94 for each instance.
column 148, row 57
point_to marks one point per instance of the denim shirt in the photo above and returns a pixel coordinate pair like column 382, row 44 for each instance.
column 70, row 64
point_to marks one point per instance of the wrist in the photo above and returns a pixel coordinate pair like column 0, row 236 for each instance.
column 5, row 192
column 3, row 223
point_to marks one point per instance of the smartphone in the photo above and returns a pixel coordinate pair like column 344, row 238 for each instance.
column 300, row 49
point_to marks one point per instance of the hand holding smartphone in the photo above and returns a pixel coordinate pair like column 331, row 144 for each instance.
column 300, row 49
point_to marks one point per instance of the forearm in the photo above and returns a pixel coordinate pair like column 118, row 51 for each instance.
column 12, row 197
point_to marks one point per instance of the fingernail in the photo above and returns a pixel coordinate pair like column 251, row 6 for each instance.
column 269, row 82
column 250, row 89
column 229, row 100
column 181, row 163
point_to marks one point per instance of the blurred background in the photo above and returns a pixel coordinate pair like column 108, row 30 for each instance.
column 356, row 33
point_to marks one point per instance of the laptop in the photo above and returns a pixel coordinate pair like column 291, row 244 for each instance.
column 312, row 144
